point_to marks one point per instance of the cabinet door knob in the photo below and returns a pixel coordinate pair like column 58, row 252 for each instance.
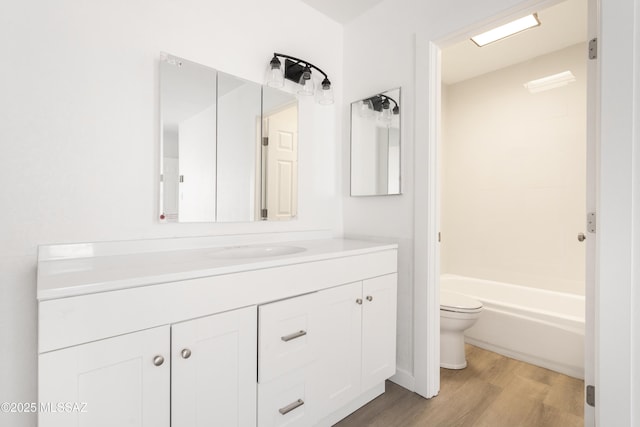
column 186, row 353
column 359, row 301
column 581, row 237
column 158, row 360
column 369, row 298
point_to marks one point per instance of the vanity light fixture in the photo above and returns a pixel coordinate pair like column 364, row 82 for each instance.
column 300, row 72
column 366, row 108
column 382, row 104
column 550, row 82
column 506, row 30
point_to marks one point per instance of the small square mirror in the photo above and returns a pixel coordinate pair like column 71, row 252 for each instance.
column 375, row 145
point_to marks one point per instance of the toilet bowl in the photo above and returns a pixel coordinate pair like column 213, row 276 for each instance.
column 457, row 314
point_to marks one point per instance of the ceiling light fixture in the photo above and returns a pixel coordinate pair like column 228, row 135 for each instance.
column 506, row 30
column 550, row 82
column 300, row 72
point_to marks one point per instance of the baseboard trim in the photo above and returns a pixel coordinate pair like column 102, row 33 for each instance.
column 352, row 406
column 404, row 379
column 543, row 363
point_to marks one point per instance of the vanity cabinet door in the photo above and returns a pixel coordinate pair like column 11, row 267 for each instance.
column 378, row 329
column 338, row 372
column 213, row 376
column 124, row 382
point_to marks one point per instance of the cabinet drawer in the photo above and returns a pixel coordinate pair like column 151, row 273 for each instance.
column 286, row 336
column 287, row 401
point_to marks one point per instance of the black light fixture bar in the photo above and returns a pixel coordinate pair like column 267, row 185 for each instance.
column 294, row 67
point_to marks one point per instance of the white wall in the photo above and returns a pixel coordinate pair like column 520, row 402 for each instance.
column 384, row 41
column 635, row 299
column 376, row 60
column 513, row 167
column 79, row 131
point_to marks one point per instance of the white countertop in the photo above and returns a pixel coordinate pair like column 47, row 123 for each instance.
column 67, row 277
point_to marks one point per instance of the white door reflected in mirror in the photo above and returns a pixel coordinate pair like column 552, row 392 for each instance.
column 281, row 154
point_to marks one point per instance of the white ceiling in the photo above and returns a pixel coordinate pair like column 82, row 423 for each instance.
column 562, row 25
column 342, row 11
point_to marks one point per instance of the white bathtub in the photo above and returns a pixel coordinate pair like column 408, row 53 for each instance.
column 537, row 326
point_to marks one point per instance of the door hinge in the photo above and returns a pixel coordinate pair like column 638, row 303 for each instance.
column 591, row 222
column 593, row 48
column 265, row 141
column 591, row 395
column 263, row 213
column 439, row 237
column 181, row 178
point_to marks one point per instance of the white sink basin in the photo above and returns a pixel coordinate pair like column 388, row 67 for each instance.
column 255, row 251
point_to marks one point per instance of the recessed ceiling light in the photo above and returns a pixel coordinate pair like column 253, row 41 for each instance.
column 506, row 30
column 550, row 82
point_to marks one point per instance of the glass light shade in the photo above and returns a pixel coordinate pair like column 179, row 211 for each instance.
column 366, row 108
column 307, row 87
column 275, row 77
column 324, row 96
column 385, row 116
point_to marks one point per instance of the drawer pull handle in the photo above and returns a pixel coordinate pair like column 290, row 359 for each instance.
column 290, row 407
column 293, row 336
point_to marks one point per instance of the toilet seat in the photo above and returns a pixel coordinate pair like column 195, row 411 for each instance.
column 458, row 303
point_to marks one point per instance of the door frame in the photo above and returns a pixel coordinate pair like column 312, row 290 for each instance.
column 427, row 197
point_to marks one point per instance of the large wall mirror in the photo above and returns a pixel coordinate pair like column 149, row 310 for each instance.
column 217, row 157
column 375, row 145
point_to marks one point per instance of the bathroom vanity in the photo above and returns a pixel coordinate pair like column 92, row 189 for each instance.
column 288, row 334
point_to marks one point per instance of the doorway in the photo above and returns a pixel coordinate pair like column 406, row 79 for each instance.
column 429, row 99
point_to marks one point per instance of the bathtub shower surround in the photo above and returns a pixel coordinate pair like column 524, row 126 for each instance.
column 541, row 327
column 184, row 333
column 514, row 175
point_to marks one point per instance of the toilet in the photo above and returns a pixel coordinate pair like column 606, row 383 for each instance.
column 457, row 314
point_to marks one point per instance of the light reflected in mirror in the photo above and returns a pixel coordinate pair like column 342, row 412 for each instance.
column 214, row 165
column 375, row 145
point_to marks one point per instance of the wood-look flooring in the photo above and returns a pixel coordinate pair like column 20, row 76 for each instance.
column 493, row 391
